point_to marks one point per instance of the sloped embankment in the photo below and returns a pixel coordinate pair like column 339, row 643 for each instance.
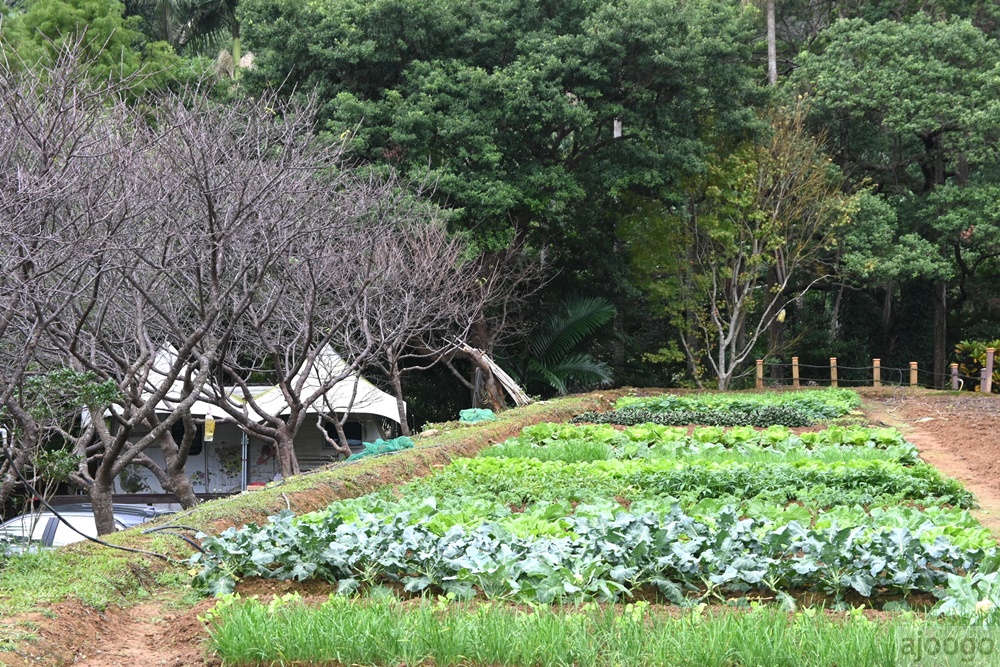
column 433, row 449
column 55, row 619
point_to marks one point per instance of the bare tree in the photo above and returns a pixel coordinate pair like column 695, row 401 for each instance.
column 311, row 309
column 131, row 236
column 429, row 295
column 506, row 281
column 62, row 207
column 236, row 190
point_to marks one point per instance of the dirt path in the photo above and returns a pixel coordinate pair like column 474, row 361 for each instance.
column 152, row 634
column 148, row 636
column 957, row 434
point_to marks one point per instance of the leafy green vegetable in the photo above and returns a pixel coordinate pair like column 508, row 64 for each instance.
column 802, row 408
column 603, row 555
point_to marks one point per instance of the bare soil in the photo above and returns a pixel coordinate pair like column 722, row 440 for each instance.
column 959, row 434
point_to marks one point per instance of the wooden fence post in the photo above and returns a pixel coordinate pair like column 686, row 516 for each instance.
column 795, row 372
column 876, row 372
column 913, row 374
column 833, row 371
column 760, row 373
column 954, row 377
column 988, row 379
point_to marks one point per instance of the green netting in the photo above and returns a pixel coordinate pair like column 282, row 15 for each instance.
column 474, row 415
column 382, row 447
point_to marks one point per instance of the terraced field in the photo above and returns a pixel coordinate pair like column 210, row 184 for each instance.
column 843, row 518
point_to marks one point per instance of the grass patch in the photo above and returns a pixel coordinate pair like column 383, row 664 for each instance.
column 46, row 577
column 387, row 632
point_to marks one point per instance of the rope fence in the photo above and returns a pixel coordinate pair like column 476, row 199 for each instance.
column 876, row 375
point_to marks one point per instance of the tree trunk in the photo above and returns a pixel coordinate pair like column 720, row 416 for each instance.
column 494, row 394
column 173, row 477
column 10, row 479
column 835, row 316
column 100, row 500
column 775, row 332
column 940, row 332
column 887, row 312
column 180, row 486
column 287, row 461
column 772, row 45
column 397, row 390
column 618, row 349
column 237, row 47
column 341, row 446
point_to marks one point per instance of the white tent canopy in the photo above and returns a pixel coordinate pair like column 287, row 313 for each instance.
column 354, row 394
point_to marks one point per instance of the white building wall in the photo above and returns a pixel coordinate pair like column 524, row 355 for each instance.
column 218, row 467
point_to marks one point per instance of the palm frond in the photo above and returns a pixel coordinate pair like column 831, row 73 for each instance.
column 578, row 369
column 579, row 318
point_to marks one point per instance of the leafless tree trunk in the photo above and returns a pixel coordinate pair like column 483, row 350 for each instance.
column 772, row 45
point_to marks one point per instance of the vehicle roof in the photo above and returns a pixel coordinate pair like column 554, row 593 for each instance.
column 129, row 515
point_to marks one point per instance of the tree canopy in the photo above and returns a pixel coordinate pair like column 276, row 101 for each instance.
column 510, row 108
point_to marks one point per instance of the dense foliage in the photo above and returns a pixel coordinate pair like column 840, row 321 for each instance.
column 783, row 409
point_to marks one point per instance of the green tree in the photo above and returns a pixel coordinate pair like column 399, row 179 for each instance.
column 758, row 231
column 510, row 107
column 40, row 30
column 912, row 107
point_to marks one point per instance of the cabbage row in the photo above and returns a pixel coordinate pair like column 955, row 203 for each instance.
column 798, row 408
column 520, row 481
column 560, row 442
column 606, row 557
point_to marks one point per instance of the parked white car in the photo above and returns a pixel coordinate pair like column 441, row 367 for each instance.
column 44, row 529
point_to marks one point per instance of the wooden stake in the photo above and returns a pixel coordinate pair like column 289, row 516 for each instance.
column 833, row 371
column 795, row 372
column 913, row 374
column 876, row 372
column 954, row 377
column 988, row 380
column 760, row 373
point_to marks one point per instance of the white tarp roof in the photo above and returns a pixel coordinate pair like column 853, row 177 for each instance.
column 367, row 398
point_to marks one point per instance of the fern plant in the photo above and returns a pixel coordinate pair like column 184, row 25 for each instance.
column 554, row 358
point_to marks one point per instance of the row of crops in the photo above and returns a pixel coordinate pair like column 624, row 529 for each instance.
column 589, row 511
column 784, row 409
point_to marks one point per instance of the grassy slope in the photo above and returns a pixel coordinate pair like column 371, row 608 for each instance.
column 99, row 577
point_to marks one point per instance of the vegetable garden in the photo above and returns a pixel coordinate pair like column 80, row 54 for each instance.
column 844, row 517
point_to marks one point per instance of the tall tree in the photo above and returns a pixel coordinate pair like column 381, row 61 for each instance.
column 511, row 106
column 758, row 231
column 41, row 30
column 510, row 109
column 911, row 107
